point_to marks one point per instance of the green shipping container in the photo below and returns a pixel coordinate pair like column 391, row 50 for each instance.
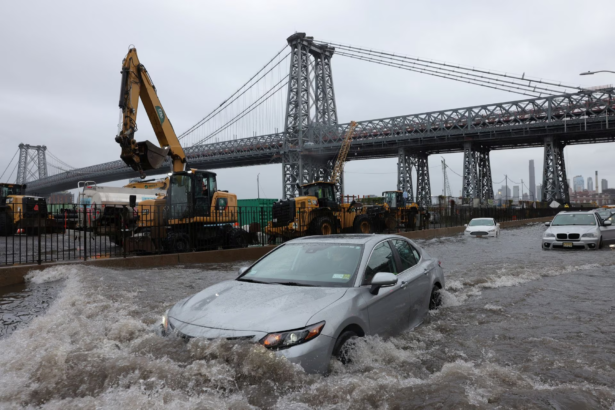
column 255, row 211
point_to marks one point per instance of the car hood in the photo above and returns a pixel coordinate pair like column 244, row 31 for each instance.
column 479, row 228
column 581, row 229
column 234, row 305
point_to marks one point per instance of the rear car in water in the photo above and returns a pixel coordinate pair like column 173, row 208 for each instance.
column 577, row 230
column 482, row 228
column 310, row 297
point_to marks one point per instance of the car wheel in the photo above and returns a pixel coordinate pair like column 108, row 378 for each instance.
column 344, row 345
column 435, row 300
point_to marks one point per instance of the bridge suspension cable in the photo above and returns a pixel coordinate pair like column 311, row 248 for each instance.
column 487, row 78
column 253, row 103
column 9, row 164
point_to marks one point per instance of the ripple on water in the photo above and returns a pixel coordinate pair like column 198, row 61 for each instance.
column 519, row 328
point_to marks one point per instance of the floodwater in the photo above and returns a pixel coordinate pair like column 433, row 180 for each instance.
column 520, row 328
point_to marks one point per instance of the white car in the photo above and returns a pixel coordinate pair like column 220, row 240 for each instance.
column 580, row 230
column 482, row 227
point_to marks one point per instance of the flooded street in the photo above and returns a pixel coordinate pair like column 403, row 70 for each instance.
column 520, row 328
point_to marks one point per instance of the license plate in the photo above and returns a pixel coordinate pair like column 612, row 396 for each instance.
column 479, row 236
column 567, row 244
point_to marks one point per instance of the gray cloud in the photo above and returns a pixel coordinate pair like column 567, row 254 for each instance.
column 59, row 80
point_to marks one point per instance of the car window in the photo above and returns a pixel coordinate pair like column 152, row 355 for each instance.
column 381, row 260
column 407, row 254
column 481, row 222
column 574, row 219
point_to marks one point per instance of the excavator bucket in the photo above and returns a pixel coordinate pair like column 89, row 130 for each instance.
column 151, row 156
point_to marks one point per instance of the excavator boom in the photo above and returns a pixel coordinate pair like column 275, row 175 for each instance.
column 143, row 156
column 341, row 157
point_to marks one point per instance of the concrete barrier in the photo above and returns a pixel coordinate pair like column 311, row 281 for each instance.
column 12, row 275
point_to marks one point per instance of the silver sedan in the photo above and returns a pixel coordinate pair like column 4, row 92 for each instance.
column 309, row 297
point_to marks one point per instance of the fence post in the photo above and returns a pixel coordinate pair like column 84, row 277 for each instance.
column 261, row 226
column 39, row 239
column 123, row 231
column 85, row 233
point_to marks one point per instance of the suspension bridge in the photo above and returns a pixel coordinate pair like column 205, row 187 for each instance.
column 286, row 114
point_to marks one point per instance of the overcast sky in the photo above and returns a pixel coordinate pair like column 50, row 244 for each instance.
column 59, row 77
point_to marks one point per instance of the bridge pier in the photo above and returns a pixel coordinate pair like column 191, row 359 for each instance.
column 554, row 182
column 423, row 186
column 298, row 168
column 477, row 181
column 404, row 172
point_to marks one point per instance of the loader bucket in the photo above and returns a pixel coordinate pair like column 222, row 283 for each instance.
column 151, row 156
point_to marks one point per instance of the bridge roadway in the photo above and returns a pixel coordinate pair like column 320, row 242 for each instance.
column 580, row 118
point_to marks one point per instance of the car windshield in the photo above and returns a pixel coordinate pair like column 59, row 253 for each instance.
column 308, row 264
column 574, row 219
column 481, row 222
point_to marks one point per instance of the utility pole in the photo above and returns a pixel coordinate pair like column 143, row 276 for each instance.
column 506, row 190
column 258, row 186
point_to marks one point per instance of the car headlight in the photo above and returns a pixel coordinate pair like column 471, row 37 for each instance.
column 164, row 323
column 589, row 235
column 549, row 235
column 283, row 340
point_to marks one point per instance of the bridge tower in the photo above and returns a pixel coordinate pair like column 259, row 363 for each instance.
column 554, row 182
column 477, row 181
column 406, row 160
column 310, row 69
column 32, row 163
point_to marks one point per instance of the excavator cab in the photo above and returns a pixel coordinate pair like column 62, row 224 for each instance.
column 191, row 194
column 10, row 189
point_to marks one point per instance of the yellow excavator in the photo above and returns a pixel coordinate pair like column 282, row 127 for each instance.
column 194, row 214
column 316, row 211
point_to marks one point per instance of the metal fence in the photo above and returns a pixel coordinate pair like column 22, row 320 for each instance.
column 82, row 232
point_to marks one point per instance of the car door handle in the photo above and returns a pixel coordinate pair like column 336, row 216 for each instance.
column 403, row 283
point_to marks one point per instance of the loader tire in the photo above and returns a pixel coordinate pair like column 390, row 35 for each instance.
column 6, row 225
column 323, row 225
column 237, row 238
column 362, row 224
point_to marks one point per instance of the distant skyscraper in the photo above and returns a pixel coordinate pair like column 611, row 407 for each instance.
column 503, row 193
column 516, row 192
column 605, row 185
column 532, row 182
column 590, row 184
column 578, row 183
column 539, row 192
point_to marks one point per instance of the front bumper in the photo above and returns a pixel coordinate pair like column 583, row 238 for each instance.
column 489, row 234
column 313, row 356
column 583, row 243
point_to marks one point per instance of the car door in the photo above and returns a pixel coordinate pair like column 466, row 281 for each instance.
column 608, row 232
column 415, row 277
column 388, row 310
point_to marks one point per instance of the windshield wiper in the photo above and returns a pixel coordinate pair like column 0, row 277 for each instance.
column 251, row 280
column 290, row 283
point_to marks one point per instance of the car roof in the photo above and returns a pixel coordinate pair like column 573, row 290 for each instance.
column 576, row 212
column 481, row 218
column 362, row 239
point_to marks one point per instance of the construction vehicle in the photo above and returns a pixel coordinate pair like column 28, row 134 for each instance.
column 149, row 184
column 21, row 213
column 316, row 211
column 393, row 212
column 193, row 214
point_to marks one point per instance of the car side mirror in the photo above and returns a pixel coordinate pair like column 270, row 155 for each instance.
column 382, row 279
column 608, row 223
column 547, row 223
column 242, row 270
